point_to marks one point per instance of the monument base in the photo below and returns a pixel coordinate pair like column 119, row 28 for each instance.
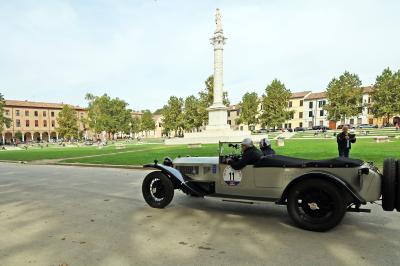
column 213, row 135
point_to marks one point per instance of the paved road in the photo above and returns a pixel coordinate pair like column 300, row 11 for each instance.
column 91, row 216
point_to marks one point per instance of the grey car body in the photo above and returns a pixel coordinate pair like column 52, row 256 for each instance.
column 346, row 184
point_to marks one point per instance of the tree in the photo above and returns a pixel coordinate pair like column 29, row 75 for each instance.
column 386, row 94
column 3, row 120
column 275, row 104
column 136, row 125
column 249, row 109
column 148, row 123
column 173, row 115
column 68, row 123
column 192, row 117
column 207, row 99
column 344, row 97
column 107, row 114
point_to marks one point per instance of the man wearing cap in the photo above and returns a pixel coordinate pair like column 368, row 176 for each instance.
column 344, row 140
column 250, row 155
column 265, row 147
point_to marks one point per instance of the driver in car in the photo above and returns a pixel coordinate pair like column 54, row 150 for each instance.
column 250, row 155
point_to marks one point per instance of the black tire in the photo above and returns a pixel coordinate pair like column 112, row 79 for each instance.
column 157, row 190
column 397, row 203
column 316, row 205
column 389, row 184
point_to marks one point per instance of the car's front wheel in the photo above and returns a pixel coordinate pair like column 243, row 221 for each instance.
column 157, row 190
column 316, row 205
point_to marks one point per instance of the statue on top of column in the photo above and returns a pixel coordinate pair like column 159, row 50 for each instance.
column 218, row 21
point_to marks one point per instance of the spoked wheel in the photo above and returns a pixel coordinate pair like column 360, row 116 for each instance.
column 316, row 205
column 157, row 190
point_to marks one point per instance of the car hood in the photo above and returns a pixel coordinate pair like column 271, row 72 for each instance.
column 196, row 160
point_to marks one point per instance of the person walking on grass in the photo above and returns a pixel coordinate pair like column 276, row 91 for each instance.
column 344, row 141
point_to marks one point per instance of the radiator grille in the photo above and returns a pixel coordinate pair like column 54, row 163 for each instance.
column 188, row 170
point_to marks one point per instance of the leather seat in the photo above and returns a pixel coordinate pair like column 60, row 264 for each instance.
column 286, row 161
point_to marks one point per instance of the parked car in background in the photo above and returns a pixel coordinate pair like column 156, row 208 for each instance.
column 367, row 126
column 320, row 128
column 298, row 129
column 349, row 126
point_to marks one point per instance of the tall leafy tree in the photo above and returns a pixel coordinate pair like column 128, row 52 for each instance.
column 386, row 94
column 192, row 117
column 206, row 99
column 173, row 119
column 344, row 96
column 107, row 114
column 275, row 104
column 4, row 121
column 136, row 125
column 147, row 121
column 68, row 123
column 249, row 109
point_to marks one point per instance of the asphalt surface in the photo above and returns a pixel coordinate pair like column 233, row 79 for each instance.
column 51, row 215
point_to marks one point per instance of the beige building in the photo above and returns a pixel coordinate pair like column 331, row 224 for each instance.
column 296, row 104
column 35, row 121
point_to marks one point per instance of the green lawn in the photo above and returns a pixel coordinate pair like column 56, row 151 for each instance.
column 365, row 149
column 56, row 152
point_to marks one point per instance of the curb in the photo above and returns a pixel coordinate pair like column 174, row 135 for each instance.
column 133, row 167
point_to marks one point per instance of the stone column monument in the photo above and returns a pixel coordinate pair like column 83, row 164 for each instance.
column 218, row 128
column 217, row 112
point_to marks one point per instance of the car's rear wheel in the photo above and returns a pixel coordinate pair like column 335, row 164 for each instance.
column 397, row 203
column 157, row 190
column 316, row 205
column 389, row 184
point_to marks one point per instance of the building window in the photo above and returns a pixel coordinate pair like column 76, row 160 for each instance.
column 290, row 104
column 26, row 113
column 45, row 123
column 310, row 105
column 321, row 112
column 27, row 123
column 52, row 114
column 301, row 124
column 359, row 121
column 321, row 122
column 36, row 123
column 352, row 121
column 310, row 114
column 321, row 103
column 369, row 99
column 290, row 125
column 18, row 123
column 16, row 112
column 238, row 112
column 36, row 113
column 7, row 112
column 44, row 114
column 229, row 122
column 291, row 116
column 229, row 113
column 53, row 123
column 300, row 114
column 301, row 102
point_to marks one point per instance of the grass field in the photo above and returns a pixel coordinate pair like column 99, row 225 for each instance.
column 365, row 149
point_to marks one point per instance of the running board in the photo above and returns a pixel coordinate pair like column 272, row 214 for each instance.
column 238, row 201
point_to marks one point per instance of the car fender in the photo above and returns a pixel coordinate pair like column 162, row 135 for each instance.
column 326, row 176
column 178, row 179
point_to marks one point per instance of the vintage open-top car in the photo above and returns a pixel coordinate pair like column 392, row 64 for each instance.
column 317, row 192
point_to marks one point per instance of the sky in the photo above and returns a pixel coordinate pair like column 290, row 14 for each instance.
column 145, row 51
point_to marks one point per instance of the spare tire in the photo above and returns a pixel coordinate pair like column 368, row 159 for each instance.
column 397, row 203
column 389, row 184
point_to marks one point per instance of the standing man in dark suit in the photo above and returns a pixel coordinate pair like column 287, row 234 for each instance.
column 344, row 140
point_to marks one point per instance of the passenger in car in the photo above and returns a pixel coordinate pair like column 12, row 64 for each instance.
column 265, row 147
column 250, row 155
